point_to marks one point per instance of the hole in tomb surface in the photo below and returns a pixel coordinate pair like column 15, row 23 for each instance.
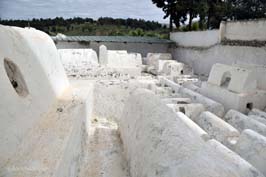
column 181, row 102
column 226, row 82
column 226, row 79
column 250, row 106
column 181, row 72
column 182, row 109
column 15, row 77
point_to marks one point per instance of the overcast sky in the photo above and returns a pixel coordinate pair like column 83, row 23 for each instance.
column 28, row 9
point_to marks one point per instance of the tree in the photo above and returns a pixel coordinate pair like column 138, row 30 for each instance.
column 246, row 9
column 174, row 9
column 215, row 13
column 202, row 12
column 194, row 7
column 179, row 10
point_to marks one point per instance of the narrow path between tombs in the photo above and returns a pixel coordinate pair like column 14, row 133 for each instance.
column 103, row 154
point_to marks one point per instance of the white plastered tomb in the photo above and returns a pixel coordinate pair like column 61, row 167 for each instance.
column 118, row 58
column 218, row 128
column 43, row 118
column 173, row 146
column 32, row 78
column 235, row 87
column 152, row 58
column 77, row 61
column 242, row 122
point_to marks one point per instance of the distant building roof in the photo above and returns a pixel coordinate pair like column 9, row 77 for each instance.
column 128, row 39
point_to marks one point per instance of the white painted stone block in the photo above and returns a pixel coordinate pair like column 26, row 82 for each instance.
column 155, row 138
column 236, row 79
column 172, row 68
column 78, row 56
column 242, row 102
column 135, row 58
column 209, row 104
column 166, row 82
column 103, row 55
column 78, row 61
column 193, row 126
column 118, row 58
column 218, row 128
column 192, row 110
column 242, row 122
column 32, row 78
column 259, row 70
column 152, row 58
column 159, row 65
column 252, row 147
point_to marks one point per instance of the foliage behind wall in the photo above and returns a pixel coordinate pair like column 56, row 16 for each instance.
column 209, row 12
column 104, row 26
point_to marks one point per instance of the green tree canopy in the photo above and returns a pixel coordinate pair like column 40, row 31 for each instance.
column 210, row 12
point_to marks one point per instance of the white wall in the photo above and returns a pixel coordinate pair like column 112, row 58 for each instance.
column 202, row 60
column 203, row 49
column 196, row 38
column 35, row 55
column 245, row 30
column 234, row 30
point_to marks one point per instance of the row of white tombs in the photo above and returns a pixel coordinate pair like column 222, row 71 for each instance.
column 228, row 107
